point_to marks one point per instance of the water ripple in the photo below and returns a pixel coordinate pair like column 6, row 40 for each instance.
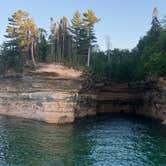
column 106, row 140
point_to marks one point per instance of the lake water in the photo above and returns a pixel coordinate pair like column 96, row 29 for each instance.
column 114, row 140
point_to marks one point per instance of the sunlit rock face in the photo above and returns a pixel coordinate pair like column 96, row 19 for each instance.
column 44, row 106
column 49, row 94
column 58, row 94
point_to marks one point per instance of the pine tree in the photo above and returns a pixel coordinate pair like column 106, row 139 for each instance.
column 13, row 50
column 21, row 34
column 63, row 23
column 14, row 31
column 31, row 34
column 76, row 30
column 55, row 41
column 156, row 26
column 90, row 20
column 52, row 40
column 42, row 45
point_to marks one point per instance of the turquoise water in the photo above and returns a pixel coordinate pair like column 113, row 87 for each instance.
column 101, row 141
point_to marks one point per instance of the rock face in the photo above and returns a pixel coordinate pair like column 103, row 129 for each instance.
column 57, row 94
column 155, row 100
column 144, row 98
column 120, row 98
column 86, row 105
column 47, row 94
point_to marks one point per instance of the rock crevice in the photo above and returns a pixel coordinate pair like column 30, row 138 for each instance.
column 145, row 98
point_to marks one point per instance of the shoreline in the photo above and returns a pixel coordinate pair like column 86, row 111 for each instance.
column 59, row 95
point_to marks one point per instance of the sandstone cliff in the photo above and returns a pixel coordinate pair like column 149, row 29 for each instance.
column 144, row 98
column 58, row 94
column 155, row 100
column 49, row 94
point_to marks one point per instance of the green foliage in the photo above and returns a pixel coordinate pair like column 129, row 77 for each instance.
column 21, row 34
column 2, row 64
column 74, row 44
column 99, row 64
column 147, row 59
column 10, row 60
column 151, row 50
column 124, row 66
column 79, row 33
column 42, row 46
column 69, row 41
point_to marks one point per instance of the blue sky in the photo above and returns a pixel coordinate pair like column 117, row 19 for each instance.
column 125, row 21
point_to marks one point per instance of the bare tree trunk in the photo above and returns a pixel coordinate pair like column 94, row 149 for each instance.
column 89, row 50
column 58, row 51
column 108, row 55
column 108, row 45
column 32, row 55
column 52, row 58
column 69, row 51
column 63, row 47
column 89, row 56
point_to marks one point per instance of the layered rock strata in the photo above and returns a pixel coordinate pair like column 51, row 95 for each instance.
column 49, row 94
column 144, row 98
column 58, row 94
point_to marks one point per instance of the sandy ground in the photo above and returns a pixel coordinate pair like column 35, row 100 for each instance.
column 44, row 77
column 59, row 70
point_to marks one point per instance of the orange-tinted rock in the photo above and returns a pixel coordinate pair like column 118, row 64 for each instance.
column 48, row 94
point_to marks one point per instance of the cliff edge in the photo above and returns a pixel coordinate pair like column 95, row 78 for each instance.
column 48, row 93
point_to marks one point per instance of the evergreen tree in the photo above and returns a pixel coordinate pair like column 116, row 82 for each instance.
column 90, row 20
column 31, row 34
column 52, row 40
column 76, row 30
column 42, row 45
column 63, row 23
column 21, row 34
column 156, row 26
column 59, row 40
column 13, row 49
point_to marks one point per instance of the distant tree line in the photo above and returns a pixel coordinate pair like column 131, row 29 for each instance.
column 146, row 60
column 73, row 42
column 69, row 42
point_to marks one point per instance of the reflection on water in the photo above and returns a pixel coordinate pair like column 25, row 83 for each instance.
column 106, row 140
